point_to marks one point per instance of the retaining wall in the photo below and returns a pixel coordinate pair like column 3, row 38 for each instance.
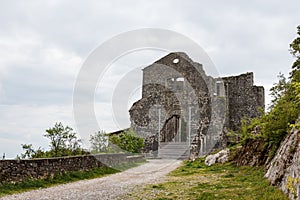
column 19, row 170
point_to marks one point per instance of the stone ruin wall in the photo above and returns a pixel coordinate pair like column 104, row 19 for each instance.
column 221, row 103
column 244, row 99
column 174, row 86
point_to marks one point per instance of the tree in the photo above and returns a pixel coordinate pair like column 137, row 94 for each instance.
column 285, row 107
column 58, row 136
column 29, row 151
column 295, row 51
column 286, row 103
column 128, row 141
column 279, row 89
column 63, row 142
column 99, row 142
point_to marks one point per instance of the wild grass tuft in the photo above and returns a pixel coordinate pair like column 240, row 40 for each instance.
column 195, row 180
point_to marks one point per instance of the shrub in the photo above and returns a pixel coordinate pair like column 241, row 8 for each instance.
column 128, row 141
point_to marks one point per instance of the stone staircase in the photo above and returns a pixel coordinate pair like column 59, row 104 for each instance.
column 173, row 150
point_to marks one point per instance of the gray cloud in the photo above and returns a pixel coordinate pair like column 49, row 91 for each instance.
column 44, row 43
column 25, row 124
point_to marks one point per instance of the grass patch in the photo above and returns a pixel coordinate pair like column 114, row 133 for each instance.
column 159, row 186
column 12, row 188
column 195, row 180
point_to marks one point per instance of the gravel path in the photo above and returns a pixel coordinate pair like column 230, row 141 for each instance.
column 109, row 187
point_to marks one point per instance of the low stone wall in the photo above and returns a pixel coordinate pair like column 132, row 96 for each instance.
column 19, row 170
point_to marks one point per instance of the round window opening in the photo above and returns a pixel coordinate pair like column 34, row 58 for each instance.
column 176, row 60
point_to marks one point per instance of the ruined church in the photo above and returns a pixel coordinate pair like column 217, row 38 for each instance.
column 185, row 112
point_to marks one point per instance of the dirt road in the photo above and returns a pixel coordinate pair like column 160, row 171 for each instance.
column 109, row 187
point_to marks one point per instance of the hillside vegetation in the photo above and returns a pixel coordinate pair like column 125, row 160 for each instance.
column 284, row 110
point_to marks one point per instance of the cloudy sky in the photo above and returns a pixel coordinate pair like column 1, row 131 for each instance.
column 43, row 45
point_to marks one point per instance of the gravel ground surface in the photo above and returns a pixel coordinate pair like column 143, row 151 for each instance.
column 109, row 187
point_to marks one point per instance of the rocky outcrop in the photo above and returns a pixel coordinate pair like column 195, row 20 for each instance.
column 220, row 157
column 253, row 153
column 284, row 169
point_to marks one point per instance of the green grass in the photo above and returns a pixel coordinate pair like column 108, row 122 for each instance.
column 195, row 180
column 12, row 188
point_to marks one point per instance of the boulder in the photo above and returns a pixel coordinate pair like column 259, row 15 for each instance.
column 220, row 157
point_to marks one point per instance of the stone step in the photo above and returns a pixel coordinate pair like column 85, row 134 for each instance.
column 173, row 150
column 173, row 147
column 174, row 156
column 173, row 144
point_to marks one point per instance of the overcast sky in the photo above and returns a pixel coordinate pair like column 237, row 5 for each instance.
column 43, row 45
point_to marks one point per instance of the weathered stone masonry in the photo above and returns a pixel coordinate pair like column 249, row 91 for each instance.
column 243, row 99
column 20, row 170
column 176, row 87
